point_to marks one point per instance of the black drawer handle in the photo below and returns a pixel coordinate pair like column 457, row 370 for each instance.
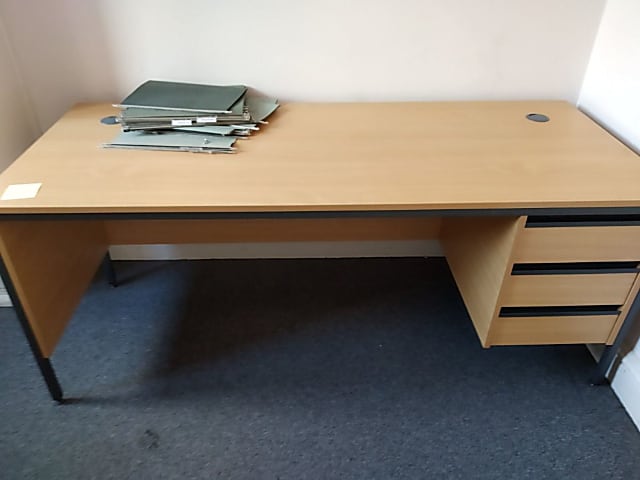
column 576, row 268
column 540, row 221
column 571, row 311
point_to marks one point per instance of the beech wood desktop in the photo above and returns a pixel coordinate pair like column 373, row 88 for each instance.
column 539, row 222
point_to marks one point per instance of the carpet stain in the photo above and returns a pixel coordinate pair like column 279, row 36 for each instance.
column 149, row 440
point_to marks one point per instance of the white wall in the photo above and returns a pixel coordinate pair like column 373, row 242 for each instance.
column 611, row 94
column 611, row 88
column 72, row 50
column 17, row 123
column 17, row 126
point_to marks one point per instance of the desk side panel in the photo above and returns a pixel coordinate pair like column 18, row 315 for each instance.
column 51, row 264
column 478, row 251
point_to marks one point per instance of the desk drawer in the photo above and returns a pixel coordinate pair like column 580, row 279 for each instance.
column 545, row 330
column 586, row 289
column 578, row 244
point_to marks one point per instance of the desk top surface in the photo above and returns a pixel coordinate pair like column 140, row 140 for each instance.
column 340, row 157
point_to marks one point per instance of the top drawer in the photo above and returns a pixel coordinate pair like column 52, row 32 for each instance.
column 578, row 244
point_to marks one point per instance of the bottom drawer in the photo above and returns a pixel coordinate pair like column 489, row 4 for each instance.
column 551, row 329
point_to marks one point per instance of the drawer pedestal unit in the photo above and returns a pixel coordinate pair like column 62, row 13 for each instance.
column 545, row 280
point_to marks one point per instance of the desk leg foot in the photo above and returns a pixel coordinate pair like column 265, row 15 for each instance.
column 110, row 270
column 599, row 376
column 598, row 380
column 51, row 380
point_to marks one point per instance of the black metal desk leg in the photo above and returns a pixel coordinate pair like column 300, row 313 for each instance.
column 49, row 375
column 46, row 369
column 611, row 352
column 110, row 270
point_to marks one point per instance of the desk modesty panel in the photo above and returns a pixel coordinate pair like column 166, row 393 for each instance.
column 539, row 222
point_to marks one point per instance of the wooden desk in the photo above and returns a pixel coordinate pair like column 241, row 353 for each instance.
column 540, row 222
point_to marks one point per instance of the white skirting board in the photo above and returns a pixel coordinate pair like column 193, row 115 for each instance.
column 5, row 301
column 626, row 384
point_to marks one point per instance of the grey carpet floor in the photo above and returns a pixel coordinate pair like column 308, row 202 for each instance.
column 305, row 369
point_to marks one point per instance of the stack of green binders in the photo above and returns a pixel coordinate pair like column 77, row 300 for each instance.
column 189, row 117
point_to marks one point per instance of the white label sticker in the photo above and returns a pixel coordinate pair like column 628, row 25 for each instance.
column 181, row 123
column 19, row 191
column 207, row 119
